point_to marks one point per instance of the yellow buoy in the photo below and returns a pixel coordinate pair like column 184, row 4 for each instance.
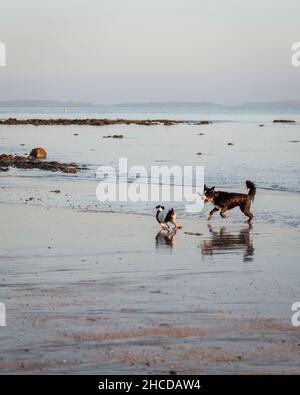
column 65, row 110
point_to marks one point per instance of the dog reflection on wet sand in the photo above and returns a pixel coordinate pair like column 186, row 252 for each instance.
column 165, row 238
column 224, row 241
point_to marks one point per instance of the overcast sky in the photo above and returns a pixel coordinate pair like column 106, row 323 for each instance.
column 111, row 51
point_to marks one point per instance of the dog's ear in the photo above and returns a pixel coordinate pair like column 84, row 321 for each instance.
column 205, row 187
column 212, row 189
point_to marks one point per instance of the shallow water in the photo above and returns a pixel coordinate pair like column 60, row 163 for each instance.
column 97, row 293
column 267, row 155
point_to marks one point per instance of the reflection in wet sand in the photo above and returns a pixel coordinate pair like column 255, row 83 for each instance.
column 224, row 242
column 165, row 238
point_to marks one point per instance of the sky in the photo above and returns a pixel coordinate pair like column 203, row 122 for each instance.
column 114, row 51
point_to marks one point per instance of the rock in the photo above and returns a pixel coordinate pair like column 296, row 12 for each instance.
column 38, row 153
column 199, row 153
column 115, row 136
column 261, row 125
column 230, row 144
column 12, row 121
column 294, row 141
column 29, row 162
column 200, row 134
column 92, row 122
column 284, row 121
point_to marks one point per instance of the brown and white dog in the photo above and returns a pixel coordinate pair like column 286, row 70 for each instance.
column 225, row 201
column 165, row 216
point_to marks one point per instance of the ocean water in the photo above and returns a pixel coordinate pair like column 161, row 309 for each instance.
column 153, row 111
column 267, row 155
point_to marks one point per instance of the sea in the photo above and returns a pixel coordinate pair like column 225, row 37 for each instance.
column 238, row 144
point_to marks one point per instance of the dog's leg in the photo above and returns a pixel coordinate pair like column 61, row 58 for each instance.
column 173, row 221
column 249, row 215
column 223, row 211
column 214, row 210
column 246, row 210
column 164, row 226
column 210, row 229
column 176, row 226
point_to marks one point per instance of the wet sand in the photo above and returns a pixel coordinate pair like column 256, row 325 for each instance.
column 100, row 293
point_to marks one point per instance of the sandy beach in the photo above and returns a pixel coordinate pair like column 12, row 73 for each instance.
column 92, row 288
column 118, row 119
column 102, row 293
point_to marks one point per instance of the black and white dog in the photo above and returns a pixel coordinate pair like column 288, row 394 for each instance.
column 165, row 216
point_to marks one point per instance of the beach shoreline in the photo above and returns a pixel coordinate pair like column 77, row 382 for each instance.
column 92, row 287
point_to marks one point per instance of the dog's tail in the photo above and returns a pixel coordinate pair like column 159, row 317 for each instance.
column 252, row 189
column 160, row 208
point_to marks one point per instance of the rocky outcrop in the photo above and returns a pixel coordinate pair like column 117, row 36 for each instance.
column 97, row 122
column 284, row 121
column 28, row 162
column 114, row 136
